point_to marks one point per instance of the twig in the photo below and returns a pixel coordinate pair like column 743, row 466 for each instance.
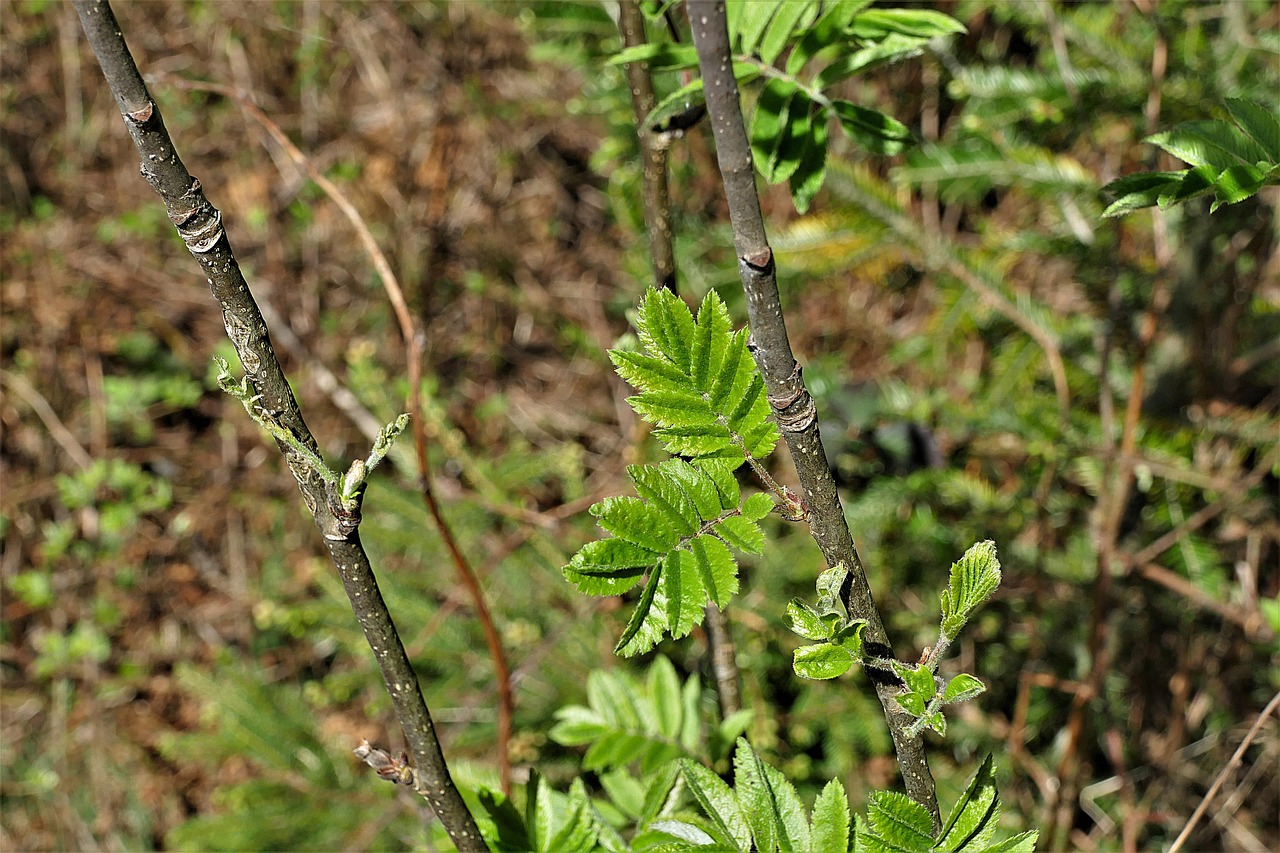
column 413, row 358
column 66, row 440
column 200, row 225
column 653, row 156
column 1222, row 777
column 790, row 399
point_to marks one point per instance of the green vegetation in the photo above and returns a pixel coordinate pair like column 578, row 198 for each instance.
column 996, row 356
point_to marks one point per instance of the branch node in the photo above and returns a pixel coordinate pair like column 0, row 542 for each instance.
column 143, row 115
column 760, row 260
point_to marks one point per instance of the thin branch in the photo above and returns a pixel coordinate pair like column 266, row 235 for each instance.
column 792, row 404
column 1222, row 777
column 413, row 358
column 200, row 225
column 653, row 155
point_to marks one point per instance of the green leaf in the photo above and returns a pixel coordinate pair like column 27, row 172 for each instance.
column 1142, row 189
column 795, row 139
column 758, row 506
column 821, row 661
column 920, row 687
column 829, row 584
column 962, row 688
column 742, row 533
column 894, row 48
column 806, row 622
column 826, row 35
column 811, row 170
column 973, row 819
column 1209, row 143
column 873, row 130
column 769, row 123
column 664, row 692
column 660, row 56
column 1260, row 123
column 783, row 27
column 640, row 626
column 973, row 579
column 697, row 383
column 754, row 797
column 1022, row 843
column 718, row 803
column 688, row 96
column 750, row 21
column 922, row 23
column 1235, row 184
column 898, row 823
column 830, row 826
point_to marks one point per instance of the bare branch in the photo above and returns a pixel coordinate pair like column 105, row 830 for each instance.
column 200, row 225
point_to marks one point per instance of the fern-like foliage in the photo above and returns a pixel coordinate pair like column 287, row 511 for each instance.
column 700, row 386
column 803, row 49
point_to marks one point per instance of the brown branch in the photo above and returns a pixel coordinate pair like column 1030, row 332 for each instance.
column 653, row 154
column 1222, row 777
column 413, row 359
column 791, row 402
column 200, row 225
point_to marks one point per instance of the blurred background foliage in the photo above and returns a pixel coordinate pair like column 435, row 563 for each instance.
column 180, row 668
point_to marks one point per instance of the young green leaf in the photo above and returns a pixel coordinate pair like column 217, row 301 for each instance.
column 962, row 688
column 697, row 382
column 829, row 828
column 806, row 621
column 821, row 661
column 1209, row 143
column 973, row 579
column 718, row 803
column 973, row 819
column 895, row 823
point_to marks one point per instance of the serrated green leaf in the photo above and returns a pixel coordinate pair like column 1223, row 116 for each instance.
column 717, row 572
column 975, row 813
column 1261, row 124
column 686, row 596
column 806, row 622
column 872, row 130
column 973, row 578
column 792, row 824
column 665, row 699
column 1235, row 184
column 754, row 796
column 1143, row 189
column 577, row 828
column 631, row 520
column 741, row 533
column 829, row 830
column 1209, row 143
column 659, row 793
column 635, row 638
column 821, row 661
column 1196, row 181
column 962, row 688
column 758, row 506
column 1022, row 843
column 718, row 803
column 899, row 823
